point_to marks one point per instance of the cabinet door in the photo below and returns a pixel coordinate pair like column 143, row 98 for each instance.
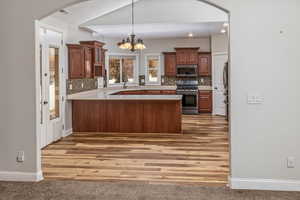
column 170, row 64
column 193, row 57
column 76, row 62
column 205, row 102
column 88, row 58
column 204, row 66
column 181, row 57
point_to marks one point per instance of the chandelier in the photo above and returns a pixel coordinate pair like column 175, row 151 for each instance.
column 131, row 43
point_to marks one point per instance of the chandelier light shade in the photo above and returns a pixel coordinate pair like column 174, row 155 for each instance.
column 131, row 43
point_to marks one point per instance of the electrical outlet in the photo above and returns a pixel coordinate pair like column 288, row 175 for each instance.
column 291, row 162
column 70, row 87
column 82, row 85
column 20, row 156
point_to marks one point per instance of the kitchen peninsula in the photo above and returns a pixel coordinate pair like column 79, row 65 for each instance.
column 131, row 110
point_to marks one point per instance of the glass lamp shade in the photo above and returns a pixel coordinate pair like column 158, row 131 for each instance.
column 139, row 45
column 127, row 44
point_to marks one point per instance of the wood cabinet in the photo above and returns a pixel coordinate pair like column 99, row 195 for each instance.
column 76, row 61
column 205, row 101
column 127, row 116
column 187, row 56
column 98, row 57
column 204, row 64
column 86, row 60
column 170, row 63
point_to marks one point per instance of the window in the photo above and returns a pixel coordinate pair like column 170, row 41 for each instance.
column 153, row 69
column 54, row 83
column 122, row 69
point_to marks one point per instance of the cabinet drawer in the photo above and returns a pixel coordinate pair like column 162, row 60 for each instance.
column 205, row 101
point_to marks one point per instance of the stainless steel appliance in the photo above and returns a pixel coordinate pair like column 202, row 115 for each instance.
column 189, row 91
column 187, row 70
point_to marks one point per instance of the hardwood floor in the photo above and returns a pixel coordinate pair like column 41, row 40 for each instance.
column 198, row 156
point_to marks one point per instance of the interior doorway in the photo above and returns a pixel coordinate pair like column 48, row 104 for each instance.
column 220, row 83
column 51, row 82
column 52, row 129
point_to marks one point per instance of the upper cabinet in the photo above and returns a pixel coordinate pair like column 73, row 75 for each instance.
column 170, row 63
column 86, row 60
column 204, row 65
column 187, row 56
column 76, row 61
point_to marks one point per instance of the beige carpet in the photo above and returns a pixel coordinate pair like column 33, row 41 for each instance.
column 75, row 190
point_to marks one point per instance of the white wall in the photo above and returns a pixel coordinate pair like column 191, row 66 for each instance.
column 264, row 59
column 158, row 46
column 219, row 43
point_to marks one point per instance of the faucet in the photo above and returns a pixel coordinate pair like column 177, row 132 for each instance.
column 124, row 85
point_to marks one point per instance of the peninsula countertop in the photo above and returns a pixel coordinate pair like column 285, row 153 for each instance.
column 110, row 93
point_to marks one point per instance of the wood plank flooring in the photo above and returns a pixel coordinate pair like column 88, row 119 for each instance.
column 198, row 156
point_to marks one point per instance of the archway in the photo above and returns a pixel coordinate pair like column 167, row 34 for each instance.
column 205, row 1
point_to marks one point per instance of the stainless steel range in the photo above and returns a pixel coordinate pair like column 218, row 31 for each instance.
column 189, row 91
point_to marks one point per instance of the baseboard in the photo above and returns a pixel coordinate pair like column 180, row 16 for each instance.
column 68, row 132
column 21, row 176
column 264, row 184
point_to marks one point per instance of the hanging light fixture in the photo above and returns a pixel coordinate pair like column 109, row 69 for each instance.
column 131, row 43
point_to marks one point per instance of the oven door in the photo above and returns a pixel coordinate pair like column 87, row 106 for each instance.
column 189, row 101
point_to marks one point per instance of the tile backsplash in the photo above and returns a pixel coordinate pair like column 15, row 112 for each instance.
column 81, row 85
column 171, row 80
column 168, row 80
column 205, row 81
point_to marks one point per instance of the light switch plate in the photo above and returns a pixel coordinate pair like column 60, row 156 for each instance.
column 291, row 162
column 20, row 156
column 255, row 99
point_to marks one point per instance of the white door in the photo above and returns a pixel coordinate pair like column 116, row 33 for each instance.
column 219, row 106
column 51, row 86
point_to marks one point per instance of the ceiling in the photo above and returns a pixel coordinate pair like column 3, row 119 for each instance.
column 153, row 31
column 153, row 18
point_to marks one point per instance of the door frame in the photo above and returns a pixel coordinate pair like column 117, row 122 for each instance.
column 62, row 78
column 213, row 77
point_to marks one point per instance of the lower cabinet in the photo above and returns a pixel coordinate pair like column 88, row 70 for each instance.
column 205, row 102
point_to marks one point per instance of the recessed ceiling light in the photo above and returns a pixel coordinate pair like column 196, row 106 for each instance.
column 190, row 34
column 223, row 31
column 226, row 24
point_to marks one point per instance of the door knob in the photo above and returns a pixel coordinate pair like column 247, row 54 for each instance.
column 45, row 102
column 216, row 88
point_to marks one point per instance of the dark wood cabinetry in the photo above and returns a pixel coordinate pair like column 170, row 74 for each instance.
column 187, row 56
column 86, row 60
column 76, row 61
column 88, row 68
column 170, row 63
column 123, row 116
column 204, row 64
column 205, row 102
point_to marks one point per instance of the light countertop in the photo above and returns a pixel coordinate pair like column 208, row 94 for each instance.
column 107, row 94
